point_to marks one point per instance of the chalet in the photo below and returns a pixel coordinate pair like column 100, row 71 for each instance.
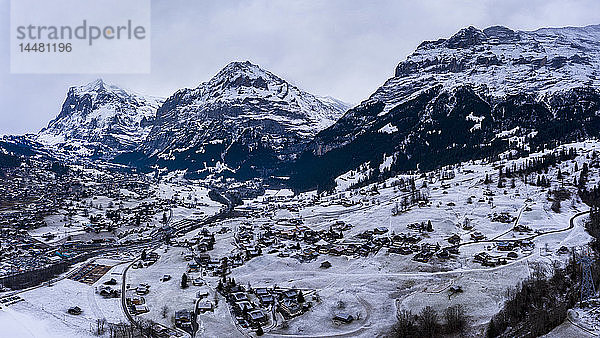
column 237, row 288
column 380, row 230
column 454, row 239
column 477, row 236
column 400, row 249
column 324, row 249
column 444, row 254
column 349, row 250
column 325, row 265
column 202, row 293
column 308, row 254
column 202, row 259
column 526, row 243
column 257, row 316
column 204, row 305
column 505, row 246
column 343, row 318
column 266, row 300
column 183, row 319
column 423, row 256
column 253, row 252
column 261, row 291
column 481, row 257
column 138, row 309
column 108, row 292
column 336, row 251
column 290, row 294
column 239, row 297
column 75, row 310
column 142, row 290
column 290, row 308
column 521, row 228
column 240, row 307
column 236, row 262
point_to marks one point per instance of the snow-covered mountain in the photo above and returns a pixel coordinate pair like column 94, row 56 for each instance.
column 100, row 119
column 498, row 61
column 475, row 94
column 244, row 116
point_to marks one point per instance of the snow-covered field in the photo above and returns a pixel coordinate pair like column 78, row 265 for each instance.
column 43, row 310
column 371, row 288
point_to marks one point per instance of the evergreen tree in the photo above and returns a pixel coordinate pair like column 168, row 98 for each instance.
column 300, row 297
column 184, row 281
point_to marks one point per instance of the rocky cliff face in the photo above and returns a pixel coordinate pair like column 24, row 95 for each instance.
column 244, row 118
column 99, row 119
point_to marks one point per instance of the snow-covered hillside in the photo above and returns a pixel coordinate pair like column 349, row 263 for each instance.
column 475, row 94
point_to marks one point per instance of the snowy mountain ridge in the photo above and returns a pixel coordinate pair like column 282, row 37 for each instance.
column 239, row 93
column 244, row 116
column 498, row 62
column 100, row 119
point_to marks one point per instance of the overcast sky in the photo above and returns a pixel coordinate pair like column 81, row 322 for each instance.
column 343, row 48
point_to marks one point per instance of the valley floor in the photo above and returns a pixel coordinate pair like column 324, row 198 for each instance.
column 371, row 288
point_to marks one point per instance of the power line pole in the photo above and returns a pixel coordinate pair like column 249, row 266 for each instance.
column 587, row 282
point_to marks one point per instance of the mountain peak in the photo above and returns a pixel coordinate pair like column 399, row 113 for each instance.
column 242, row 104
column 95, row 85
column 240, row 66
column 466, row 37
column 501, row 33
column 101, row 117
column 243, row 74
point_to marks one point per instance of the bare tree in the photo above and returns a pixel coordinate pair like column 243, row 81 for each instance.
column 428, row 322
column 455, row 319
column 405, row 326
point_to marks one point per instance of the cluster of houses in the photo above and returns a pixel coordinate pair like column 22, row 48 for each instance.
column 19, row 252
column 203, row 242
column 29, row 193
column 108, row 289
column 147, row 259
column 136, row 303
column 27, row 217
column 509, row 247
column 503, row 217
column 252, row 307
column 306, row 244
column 486, row 259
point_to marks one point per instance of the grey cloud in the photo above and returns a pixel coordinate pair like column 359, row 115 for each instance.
column 341, row 48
